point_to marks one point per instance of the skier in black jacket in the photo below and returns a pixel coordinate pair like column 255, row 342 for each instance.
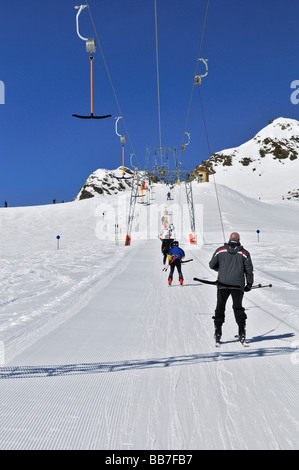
column 234, row 265
column 167, row 244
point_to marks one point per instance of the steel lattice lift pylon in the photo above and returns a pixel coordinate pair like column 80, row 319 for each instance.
column 189, row 195
column 161, row 168
column 133, row 198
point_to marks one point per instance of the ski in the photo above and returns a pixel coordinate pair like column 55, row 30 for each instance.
column 214, row 283
column 218, row 343
column 242, row 341
column 217, row 338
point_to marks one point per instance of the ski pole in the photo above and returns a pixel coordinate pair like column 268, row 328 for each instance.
column 216, row 283
column 259, row 286
column 166, row 267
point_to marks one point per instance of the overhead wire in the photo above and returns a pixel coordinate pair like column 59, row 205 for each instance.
column 110, row 80
column 195, row 72
column 158, row 90
column 157, row 70
column 209, row 150
column 204, row 120
column 192, row 88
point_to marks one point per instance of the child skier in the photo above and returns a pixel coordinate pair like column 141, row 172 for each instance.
column 175, row 257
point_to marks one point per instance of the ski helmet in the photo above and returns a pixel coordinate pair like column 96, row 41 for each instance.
column 176, row 243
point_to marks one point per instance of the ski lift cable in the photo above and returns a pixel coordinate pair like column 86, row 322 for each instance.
column 157, row 68
column 196, row 66
column 110, row 79
column 209, row 150
column 189, row 107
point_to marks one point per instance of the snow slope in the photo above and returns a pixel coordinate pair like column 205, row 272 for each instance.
column 101, row 354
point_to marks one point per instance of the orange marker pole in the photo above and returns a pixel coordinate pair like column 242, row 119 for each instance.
column 91, row 86
column 123, row 158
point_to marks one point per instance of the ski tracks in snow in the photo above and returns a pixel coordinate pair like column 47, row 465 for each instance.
column 42, row 289
column 196, row 397
column 136, row 368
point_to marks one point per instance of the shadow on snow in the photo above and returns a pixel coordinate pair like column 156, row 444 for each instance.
column 15, row 372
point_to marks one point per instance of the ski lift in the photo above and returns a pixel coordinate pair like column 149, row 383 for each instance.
column 183, row 146
column 122, row 141
column 197, row 78
column 122, row 137
column 90, row 48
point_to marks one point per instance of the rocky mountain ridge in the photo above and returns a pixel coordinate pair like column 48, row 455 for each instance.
column 267, row 166
column 105, row 182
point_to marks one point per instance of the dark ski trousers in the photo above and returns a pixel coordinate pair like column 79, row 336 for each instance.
column 176, row 264
column 239, row 311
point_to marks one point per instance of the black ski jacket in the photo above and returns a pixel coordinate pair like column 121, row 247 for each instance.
column 233, row 264
column 167, row 244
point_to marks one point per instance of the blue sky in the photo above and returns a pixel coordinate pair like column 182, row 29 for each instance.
column 252, row 51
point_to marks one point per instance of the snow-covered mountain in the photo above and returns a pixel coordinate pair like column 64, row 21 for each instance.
column 266, row 167
column 104, row 182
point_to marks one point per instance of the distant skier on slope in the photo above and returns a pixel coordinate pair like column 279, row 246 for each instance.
column 175, row 257
column 233, row 264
